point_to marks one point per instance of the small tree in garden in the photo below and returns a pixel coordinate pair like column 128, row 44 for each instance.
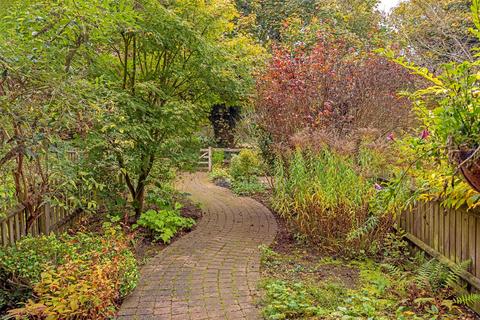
column 434, row 32
column 127, row 82
column 171, row 66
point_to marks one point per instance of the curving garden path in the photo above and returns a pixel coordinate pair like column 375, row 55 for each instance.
column 212, row 272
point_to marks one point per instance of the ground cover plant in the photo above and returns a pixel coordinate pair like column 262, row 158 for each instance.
column 67, row 276
column 165, row 223
column 303, row 283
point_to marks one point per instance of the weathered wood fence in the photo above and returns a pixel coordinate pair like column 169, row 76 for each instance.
column 56, row 219
column 51, row 219
column 450, row 235
column 206, row 156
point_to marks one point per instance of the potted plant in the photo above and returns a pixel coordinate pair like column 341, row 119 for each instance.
column 449, row 110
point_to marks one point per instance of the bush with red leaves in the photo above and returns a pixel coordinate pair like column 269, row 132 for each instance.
column 327, row 94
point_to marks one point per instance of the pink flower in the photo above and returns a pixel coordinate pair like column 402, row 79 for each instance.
column 425, row 134
column 378, row 187
column 391, row 137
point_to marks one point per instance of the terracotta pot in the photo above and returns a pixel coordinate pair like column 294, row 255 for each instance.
column 470, row 170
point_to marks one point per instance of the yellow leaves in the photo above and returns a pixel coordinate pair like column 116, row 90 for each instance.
column 438, row 185
column 88, row 284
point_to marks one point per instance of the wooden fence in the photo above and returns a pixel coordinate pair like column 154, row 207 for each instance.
column 206, row 156
column 56, row 219
column 450, row 235
column 51, row 219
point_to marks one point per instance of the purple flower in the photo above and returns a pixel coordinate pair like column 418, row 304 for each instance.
column 378, row 187
column 425, row 134
column 391, row 137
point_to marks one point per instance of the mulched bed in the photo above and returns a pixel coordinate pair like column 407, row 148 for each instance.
column 144, row 248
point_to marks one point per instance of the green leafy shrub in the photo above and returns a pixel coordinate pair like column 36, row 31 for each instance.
column 18, row 273
column 246, row 188
column 164, row 224
column 68, row 277
column 163, row 195
column 218, row 157
column 246, row 166
column 219, row 173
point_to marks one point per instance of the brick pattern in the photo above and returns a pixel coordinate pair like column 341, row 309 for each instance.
column 212, row 272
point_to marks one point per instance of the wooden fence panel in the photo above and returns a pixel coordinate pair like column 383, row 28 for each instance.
column 452, row 236
column 51, row 219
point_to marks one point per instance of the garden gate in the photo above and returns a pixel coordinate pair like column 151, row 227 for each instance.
column 206, row 156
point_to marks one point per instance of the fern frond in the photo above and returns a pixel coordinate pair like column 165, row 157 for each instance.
column 453, row 278
column 468, row 299
column 393, row 270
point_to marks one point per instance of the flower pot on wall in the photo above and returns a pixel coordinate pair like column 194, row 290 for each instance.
column 471, row 169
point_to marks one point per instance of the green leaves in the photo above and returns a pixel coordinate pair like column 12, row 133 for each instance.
column 165, row 223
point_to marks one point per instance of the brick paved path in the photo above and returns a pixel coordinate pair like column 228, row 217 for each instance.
column 212, row 272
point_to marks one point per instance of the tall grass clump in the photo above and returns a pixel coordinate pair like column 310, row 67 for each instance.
column 328, row 199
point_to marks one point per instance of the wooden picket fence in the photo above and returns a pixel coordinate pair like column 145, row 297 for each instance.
column 55, row 219
column 450, row 235
column 51, row 219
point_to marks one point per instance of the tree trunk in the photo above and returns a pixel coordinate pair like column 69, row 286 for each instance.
column 139, row 200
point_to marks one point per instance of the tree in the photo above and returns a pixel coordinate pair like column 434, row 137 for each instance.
column 136, row 77
column 172, row 65
column 294, row 21
column 434, row 32
column 42, row 103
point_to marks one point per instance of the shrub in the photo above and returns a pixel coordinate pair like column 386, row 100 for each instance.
column 18, row 274
column 80, row 276
column 164, row 224
column 330, row 89
column 246, row 166
column 219, row 173
column 163, row 195
column 218, row 157
column 246, row 188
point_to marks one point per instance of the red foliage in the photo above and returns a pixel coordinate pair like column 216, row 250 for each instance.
column 331, row 89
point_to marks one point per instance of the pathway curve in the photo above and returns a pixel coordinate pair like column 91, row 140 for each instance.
column 212, row 272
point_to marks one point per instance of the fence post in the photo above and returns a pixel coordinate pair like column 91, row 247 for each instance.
column 44, row 220
column 209, row 159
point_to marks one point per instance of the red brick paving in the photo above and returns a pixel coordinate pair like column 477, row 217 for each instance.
column 212, row 272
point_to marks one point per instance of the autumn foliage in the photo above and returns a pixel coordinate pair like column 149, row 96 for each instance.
column 329, row 93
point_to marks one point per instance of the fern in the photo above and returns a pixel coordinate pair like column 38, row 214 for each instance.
column 453, row 278
column 393, row 270
column 432, row 275
column 467, row 299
